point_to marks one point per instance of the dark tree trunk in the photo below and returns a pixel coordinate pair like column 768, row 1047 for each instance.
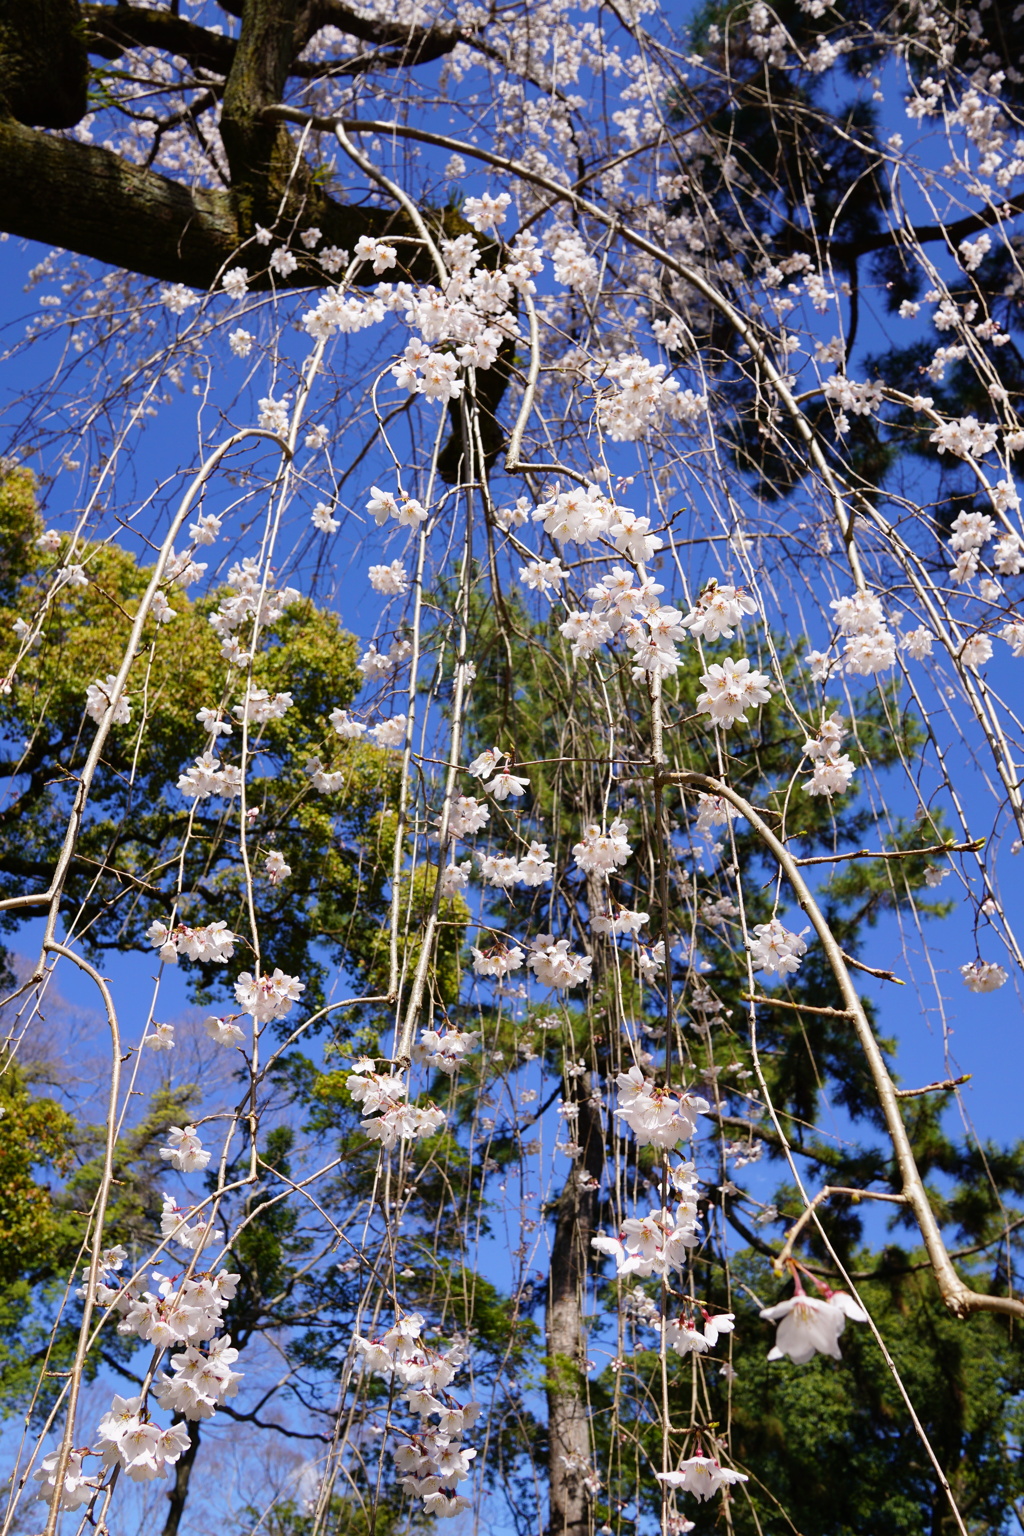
column 568, row 1421
column 182, row 1476
column 43, row 62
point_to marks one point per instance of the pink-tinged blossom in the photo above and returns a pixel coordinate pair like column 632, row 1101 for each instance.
column 621, row 920
column 870, row 652
column 918, row 643
column 655, row 1244
column 601, row 853
column 775, row 949
column 455, row 878
column 983, row 976
column 731, row 688
column 505, row 784
column 375, row 251
column 535, row 867
column 323, row 520
column 200, row 1382
column 466, row 816
column 160, row 1037
column 702, row 1476
column 485, row 213
column 976, row 650
column 444, row 1051
column 275, row 867
column 405, row 510
column 715, row 1327
column 185, row 1151
column 682, row 1336
column 542, row 575
column 810, row 1325
column 1013, row 634
column 718, row 611
column 657, row 1116
column 223, row 1031
column 348, row 728
column 967, row 438
column 207, row 777
column 832, row 770
column 390, row 580
column 78, row 1488
column 97, row 702
column 391, row 733
column 554, row 965
column 268, row 997
column 714, row 811
column 213, row 943
column 498, row 961
column 235, row 283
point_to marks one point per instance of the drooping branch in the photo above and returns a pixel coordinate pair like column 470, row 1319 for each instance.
column 958, row 1297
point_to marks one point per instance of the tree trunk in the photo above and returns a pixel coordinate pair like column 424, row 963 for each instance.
column 569, row 1449
column 182, row 1476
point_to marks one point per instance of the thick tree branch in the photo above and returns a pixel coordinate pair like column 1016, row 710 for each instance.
column 87, row 199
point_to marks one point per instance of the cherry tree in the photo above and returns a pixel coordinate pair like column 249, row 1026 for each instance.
column 643, row 400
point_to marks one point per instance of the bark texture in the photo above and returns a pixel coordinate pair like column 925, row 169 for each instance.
column 87, row 199
column 569, row 1447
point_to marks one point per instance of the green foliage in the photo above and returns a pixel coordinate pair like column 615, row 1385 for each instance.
column 39, row 1238
column 125, row 871
column 35, row 1133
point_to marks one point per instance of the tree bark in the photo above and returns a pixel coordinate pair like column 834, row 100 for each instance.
column 182, row 1476
column 43, row 63
column 87, row 199
column 569, row 1448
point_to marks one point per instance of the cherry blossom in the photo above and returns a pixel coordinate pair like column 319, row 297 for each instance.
column 601, row 853
column 505, row 784
column 554, row 965
column 348, row 728
column 775, row 949
column 702, row 1476
column 78, row 1488
column 185, row 1151
column 390, row 733
column 160, row 1037
column 392, row 580
column 467, row 815
column 498, row 961
column 657, row 1116
column 809, row 1325
column 142, row 1449
column 223, row 1031
column 717, row 612
column 983, row 976
column 832, row 769
column 731, row 688
column 275, row 867
column 268, row 997
column 97, row 702
column 323, row 519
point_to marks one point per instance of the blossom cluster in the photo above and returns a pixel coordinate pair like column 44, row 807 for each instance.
column 658, row 1117
column 554, row 965
column 832, row 769
column 658, row 1243
column 775, row 949
column 388, row 1116
column 432, row 1459
column 252, row 596
column 214, row 943
column 445, row 1051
